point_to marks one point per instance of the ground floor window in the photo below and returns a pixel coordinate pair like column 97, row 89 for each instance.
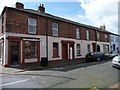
column 1, row 50
column 88, row 47
column 106, row 48
column 78, row 50
column 55, row 50
column 30, row 49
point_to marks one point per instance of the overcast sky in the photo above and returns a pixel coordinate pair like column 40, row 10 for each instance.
column 90, row 12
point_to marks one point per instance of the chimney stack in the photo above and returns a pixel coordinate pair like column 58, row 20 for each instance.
column 19, row 5
column 41, row 8
column 102, row 27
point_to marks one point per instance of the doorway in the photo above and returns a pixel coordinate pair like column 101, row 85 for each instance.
column 94, row 47
column 64, row 51
column 98, row 48
column 14, row 52
column 113, row 47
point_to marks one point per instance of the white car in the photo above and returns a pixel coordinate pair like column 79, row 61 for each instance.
column 116, row 61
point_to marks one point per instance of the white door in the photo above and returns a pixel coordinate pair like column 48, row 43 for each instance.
column 71, row 52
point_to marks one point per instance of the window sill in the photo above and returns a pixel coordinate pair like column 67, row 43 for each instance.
column 55, row 56
column 79, row 55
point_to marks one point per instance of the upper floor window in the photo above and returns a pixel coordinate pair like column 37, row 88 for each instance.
column 106, row 38
column 112, row 39
column 32, row 23
column 87, row 34
column 55, row 29
column 77, row 33
column 117, row 39
column 98, row 36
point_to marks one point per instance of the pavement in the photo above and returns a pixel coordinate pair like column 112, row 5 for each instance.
column 29, row 67
column 115, row 85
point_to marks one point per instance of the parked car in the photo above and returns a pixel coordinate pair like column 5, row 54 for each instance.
column 116, row 61
column 95, row 56
column 112, row 54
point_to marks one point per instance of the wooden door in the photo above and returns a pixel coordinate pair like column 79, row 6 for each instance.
column 64, row 51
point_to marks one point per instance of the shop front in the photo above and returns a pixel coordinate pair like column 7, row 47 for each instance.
column 23, row 51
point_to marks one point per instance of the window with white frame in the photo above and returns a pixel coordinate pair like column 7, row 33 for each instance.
column 106, row 48
column 32, row 23
column 98, row 36
column 112, row 39
column 1, row 50
column 106, row 38
column 87, row 34
column 117, row 39
column 30, row 50
column 55, row 50
column 55, row 29
column 88, row 47
column 78, row 50
column 77, row 33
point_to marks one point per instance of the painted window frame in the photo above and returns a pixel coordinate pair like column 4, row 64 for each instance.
column 88, row 48
column 55, row 48
column 77, row 33
column 1, row 50
column 29, row 49
column 112, row 39
column 87, row 34
column 32, row 23
column 106, row 38
column 78, row 47
column 106, row 48
column 98, row 36
column 55, row 29
column 116, row 39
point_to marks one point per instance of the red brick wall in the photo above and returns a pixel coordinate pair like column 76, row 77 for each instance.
column 92, row 34
column 83, row 33
column 17, row 21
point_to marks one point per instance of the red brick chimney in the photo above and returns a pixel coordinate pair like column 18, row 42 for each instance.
column 41, row 8
column 19, row 5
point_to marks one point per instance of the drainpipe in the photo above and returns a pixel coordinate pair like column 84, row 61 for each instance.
column 46, row 37
column 96, row 39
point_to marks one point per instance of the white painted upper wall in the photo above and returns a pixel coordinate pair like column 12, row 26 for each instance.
column 0, row 25
column 114, row 40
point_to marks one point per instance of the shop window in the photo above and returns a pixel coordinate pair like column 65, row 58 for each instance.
column 30, row 49
column 32, row 23
column 78, row 50
column 55, row 50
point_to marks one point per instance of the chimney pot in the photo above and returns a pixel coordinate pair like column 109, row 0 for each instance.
column 103, row 27
column 41, row 8
column 42, row 5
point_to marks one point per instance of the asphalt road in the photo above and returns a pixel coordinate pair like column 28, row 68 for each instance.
column 88, row 75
